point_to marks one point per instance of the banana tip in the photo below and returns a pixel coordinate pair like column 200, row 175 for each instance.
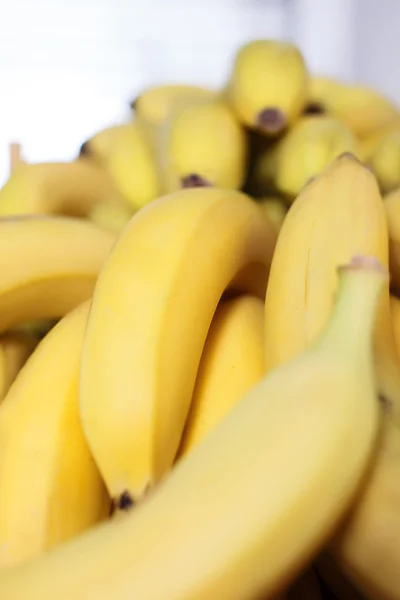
column 314, row 108
column 84, row 150
column 194, row 180
column 271, row 120
column 360, row 262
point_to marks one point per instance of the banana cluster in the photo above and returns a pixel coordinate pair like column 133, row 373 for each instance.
column 200, row 348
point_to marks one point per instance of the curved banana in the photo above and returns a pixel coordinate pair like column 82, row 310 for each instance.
column 362, row 109
column 231, row 363
column 337, row 215
column 319, row 88
column 268, row 86
column 392, row 208
column 172, row 263
column 15, row 349
column 51, row 489
column 302, row 154
column 384, row 160
column 129, row 162
column 252, row 529
column 201, row 144
column 99, row 146
column 153, row 105
column 49, row 266
column 70, row 189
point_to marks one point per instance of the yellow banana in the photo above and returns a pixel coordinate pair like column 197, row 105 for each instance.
column 172, row 263
column 268, row 87
column 99, row 146
column 15, row 348
column 384, row 160
column 274, row 208
column 50, row 487
column 153, row 105
column 363, row 110
column 392, row 208
column 70, row 189
column 201, row 144
column 231, row 363
column 338, row 214
column 50, row 265
column 320, row 88
column 112, row 217
column 253, row 509
column 304, row 152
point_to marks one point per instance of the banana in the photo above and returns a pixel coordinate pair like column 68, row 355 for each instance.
column 70, row 189
column 50, row 487
column 304, row 152
column 15, row 348
column 274, row 208
column 392, row 208
column 153, row 105
column 172, row 262
column 112, row 217
column 231, row 363
column 98, row 147
column 201, row 144
column 129, row 162
column 50, row 265
column 254, row 510
column 268, row 86
column 320, row 87
column 395, row 312
column 339, row 214
column 384, row 160
column 363, row 110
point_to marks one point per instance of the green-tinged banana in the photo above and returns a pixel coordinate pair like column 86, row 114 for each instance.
column 201, row 144
column 338, row 214
column 258, row 497
column 50, row 265
column 153, row 105
column 268, row 87
column 232, row 362
column 395, row 312
column 335, row 579
column 130, row 164
column 304, row 152
column 15, row 348
column 275, row 209
column 384, row 160
column 172, row 263
column 112, row 217
column 362, row 109
column 392, row 208
column 50, row 487
column 70, row 189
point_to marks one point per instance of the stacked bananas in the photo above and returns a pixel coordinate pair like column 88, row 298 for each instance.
column 200, row 348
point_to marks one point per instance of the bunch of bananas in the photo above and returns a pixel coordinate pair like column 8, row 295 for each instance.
column 200, row 387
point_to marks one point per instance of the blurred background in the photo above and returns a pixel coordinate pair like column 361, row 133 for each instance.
column 70, row 68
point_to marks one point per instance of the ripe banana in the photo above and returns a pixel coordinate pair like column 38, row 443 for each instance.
column 304, row 152
column 231, row 363
column 320, row 88
column 70, row 189
column 274, row 208
column 337, row 215
column 15, row 348
column 112, row 217
column 392, row 208
column 50, row 487
column 268, row 87
column 128, row 161
column 322, row 403
column 384, row 160
column 154, row 105
column 363, row 110
column 201, row 144
column 50, row 265
column 99, row 146
column 172, row 262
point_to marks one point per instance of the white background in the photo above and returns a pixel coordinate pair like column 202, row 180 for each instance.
column 68, row 68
